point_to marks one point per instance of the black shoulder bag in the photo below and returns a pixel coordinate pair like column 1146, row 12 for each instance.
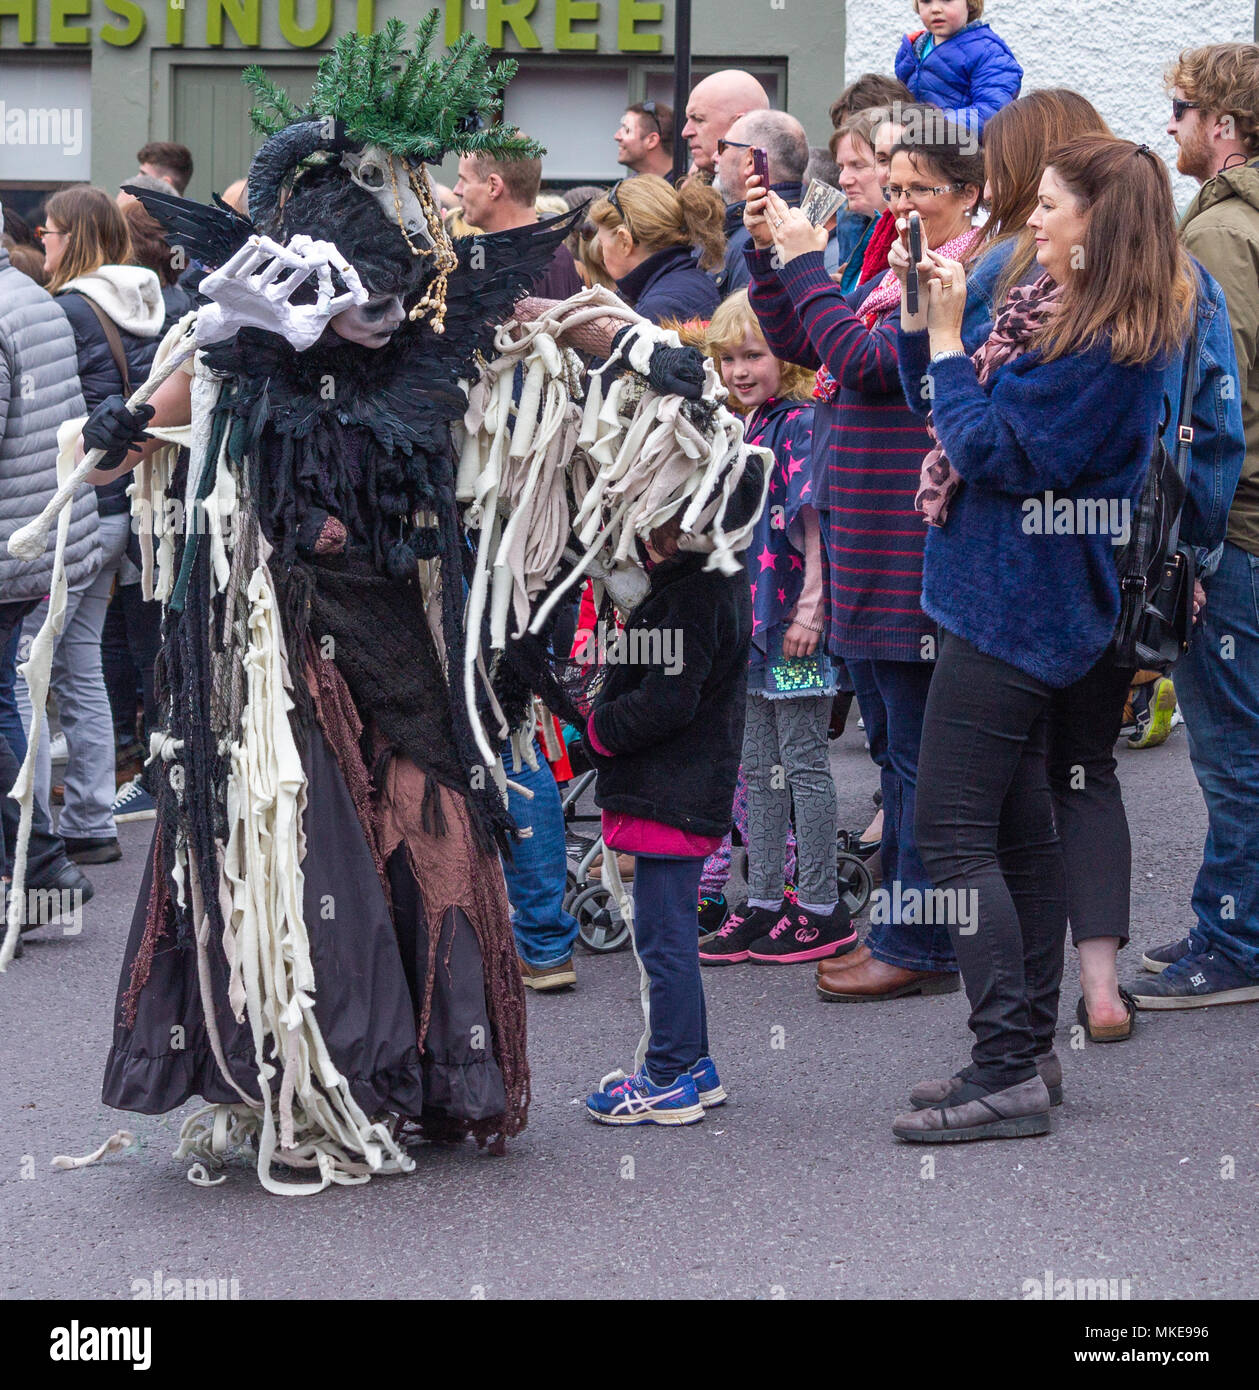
column 1157, row 572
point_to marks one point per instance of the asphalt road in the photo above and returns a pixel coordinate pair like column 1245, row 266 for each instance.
column 795, row 1189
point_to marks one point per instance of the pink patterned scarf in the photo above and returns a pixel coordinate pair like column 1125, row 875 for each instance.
column 886, row 296
column 1025, row 312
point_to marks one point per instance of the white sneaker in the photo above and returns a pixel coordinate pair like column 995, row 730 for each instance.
column 59, row 748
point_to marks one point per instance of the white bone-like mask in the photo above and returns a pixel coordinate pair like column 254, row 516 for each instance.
column 381, row 174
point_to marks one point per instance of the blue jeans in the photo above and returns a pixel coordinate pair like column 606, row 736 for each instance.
column 893, row 700
column 45, row 853
column 535, row 876
column 666, row 937
column 1217, row 687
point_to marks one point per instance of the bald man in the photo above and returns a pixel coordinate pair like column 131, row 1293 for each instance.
column 716, row 103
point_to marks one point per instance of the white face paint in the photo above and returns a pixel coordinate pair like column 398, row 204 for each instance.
column 372, row 324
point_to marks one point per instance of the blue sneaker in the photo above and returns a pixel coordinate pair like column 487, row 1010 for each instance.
column 708, row 1084
column 1195, row 982
column 637, row 1100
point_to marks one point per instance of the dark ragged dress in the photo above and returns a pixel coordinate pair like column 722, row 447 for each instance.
column 418, row 990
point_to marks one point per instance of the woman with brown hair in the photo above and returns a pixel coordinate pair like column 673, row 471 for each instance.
column 116, row 311
column 150, row 249
column 647, row 233
column 1017, row 142
column 1044, row 442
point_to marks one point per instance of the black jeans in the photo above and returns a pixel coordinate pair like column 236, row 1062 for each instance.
column 129, row 644
column 1084, row 723
column 985, row 831
column 45, row 853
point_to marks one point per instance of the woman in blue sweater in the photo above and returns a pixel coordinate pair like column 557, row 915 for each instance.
column 1039, row 463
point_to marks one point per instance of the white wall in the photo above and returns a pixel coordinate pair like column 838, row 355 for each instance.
column 1112, row 51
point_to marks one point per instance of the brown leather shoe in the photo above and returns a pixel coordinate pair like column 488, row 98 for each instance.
column 561, row 976
column 874, row 980
column 858, row 956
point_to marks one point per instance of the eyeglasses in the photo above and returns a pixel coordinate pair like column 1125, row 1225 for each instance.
column 1179, row 107
column 42, row 232
column 648, row 108
column 724, row 145
column 917, row 192
column 620, row 211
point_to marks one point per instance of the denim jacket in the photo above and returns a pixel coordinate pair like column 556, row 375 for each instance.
column 1219, row 444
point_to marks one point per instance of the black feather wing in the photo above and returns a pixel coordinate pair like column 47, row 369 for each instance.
column 208, row 233
column 495, row 270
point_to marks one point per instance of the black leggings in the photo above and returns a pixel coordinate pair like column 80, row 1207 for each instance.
column 985, row 830
column 1084, row 723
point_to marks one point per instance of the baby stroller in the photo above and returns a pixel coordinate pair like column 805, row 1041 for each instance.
column 600, row 926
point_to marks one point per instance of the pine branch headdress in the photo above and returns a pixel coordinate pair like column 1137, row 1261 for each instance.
column 419, row 108
column 387, row 110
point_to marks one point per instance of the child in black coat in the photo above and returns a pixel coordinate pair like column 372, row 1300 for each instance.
column 665, row 736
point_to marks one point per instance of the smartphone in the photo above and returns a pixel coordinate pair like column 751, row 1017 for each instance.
column 760, row 165
column 915, row 255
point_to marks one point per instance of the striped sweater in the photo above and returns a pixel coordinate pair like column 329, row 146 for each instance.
column 868, row 448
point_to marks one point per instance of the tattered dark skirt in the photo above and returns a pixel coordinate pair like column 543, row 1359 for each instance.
column 411, row 1016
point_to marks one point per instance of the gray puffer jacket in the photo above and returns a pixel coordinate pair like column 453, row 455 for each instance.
column 39, row 388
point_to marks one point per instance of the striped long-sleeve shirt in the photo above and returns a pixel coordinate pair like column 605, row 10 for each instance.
column 868, row 448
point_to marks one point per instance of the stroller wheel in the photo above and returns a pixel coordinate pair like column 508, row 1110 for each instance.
column 600, row 927
column 570, row 889
column 855, row 883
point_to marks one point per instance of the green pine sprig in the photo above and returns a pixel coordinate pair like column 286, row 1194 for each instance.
column 414, row 106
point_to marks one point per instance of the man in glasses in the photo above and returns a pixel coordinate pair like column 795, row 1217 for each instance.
column 644, row 139
column 1215, row 122
column 783, row 139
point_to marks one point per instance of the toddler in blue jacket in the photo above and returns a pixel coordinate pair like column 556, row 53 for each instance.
column 959, row 64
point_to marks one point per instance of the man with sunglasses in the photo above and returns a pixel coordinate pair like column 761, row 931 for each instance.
column 783, row 139
column 1215, row 122
column 644, row 139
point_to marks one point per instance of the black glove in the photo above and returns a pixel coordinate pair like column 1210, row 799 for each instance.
column 671, row 371
column 116, row 429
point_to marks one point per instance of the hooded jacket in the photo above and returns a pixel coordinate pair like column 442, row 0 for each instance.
column 39, row 388
column 132, row 297
column 1221, row 229
column 971, row 74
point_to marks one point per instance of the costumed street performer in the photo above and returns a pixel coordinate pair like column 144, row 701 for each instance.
column 358, row 463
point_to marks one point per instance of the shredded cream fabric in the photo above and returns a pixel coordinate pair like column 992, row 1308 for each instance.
column 577, row 458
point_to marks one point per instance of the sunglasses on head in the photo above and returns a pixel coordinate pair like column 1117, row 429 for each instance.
column 649, row 109
column 1179, row 107
column 620, row 211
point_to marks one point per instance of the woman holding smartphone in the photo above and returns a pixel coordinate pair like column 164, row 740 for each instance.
column 1064, row 400
column 867, row 453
